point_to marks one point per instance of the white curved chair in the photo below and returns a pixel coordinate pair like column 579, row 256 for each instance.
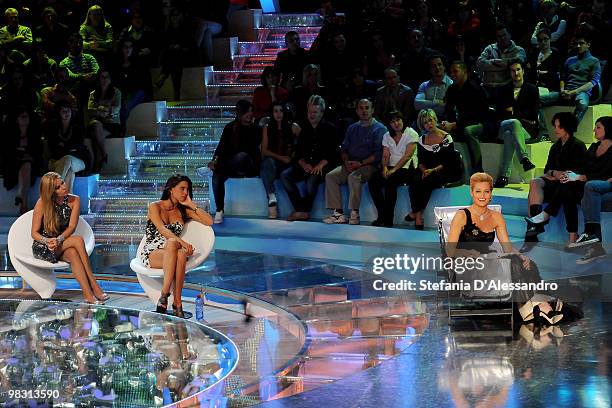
column 36, row 272
column 199, row 235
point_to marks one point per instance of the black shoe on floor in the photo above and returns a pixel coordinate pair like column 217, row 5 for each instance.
column 501, row 182
column 527, row 164
column 377, row 222
column 534, row 229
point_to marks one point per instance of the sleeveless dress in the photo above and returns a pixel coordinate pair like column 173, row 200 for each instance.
column 155, row 240
column 40, row 250
column 471, row 237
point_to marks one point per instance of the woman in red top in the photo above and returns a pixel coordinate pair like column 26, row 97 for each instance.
column 266, row 94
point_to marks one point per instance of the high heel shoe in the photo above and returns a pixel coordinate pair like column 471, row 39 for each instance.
column 409, row 218
column 178, row 311
column 104, row 297
column 162, row 303
column 94, row 302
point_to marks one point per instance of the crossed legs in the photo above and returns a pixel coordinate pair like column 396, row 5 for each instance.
column 74, row 252
column 172, row 259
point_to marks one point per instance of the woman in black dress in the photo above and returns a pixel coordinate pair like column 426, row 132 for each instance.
column 54, row 221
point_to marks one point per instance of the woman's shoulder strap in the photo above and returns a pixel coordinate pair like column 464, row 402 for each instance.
column 468, row 216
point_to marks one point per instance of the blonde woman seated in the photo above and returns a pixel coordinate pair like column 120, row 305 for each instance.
column 471, row 235
column 55, row 218
column 164, row 249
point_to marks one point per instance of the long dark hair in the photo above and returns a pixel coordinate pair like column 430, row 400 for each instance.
column 606, row 122
column 171, row 183
column 110, row 91
column 285, row 133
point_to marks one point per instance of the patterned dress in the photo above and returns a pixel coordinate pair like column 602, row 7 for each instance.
column 155, row 240
column 39, row 249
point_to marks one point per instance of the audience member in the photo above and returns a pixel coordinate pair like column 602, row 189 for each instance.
column 68, row 154
column 132, row 78
column 14, row 36
column 518, row 112
column 432, row 93
column 237, row 154
column 580, row 74
column 337, row 66
column 177, row 43
column 567, row 154
column 40, row 67
column 82, row 68
column 360, row 88
column 361, row 154
column 596, row 191
column 311, row 85
column 399, row 166
column 103, row 108
column 428, row 24
column 142, row 38
column 22, row 154
column 315, row 155
column 546, row 63
column 466, row 26
column 550, row 20
column 52, row 95
column 466, row 112
column 413, row 66
column 437, row 163
column 269, row 91
column 18, row 92
column 52, row 34
column 494, row 59
column 97, row 34
column 460, row 52
column 277, row 148
column 597, row 21
column 378, row 57
column 393, row 96
column 290, row 63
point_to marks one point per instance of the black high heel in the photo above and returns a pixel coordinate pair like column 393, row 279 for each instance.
column 162, row 303
column 178, row 311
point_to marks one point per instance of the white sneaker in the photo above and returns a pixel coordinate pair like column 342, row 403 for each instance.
column 354, row 220
column 335, row 218
column 218, row 217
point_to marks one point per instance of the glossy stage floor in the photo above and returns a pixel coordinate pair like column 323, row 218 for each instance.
column 316, row 334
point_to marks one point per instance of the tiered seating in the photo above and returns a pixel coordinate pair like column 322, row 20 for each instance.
column 187, row 133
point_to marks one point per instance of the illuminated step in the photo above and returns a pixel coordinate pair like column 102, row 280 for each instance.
column 253, row 61
column 189, row 131
column 208, row 113
column 132, row 204
column 300, row 20
column 307, row 34
column 164, row 166
column 123, row 187
column 230, row 99
column 156, row 148
column 243, row 76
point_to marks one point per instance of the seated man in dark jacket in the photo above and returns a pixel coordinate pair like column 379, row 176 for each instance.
column 567, row 154
column 518, row 111
column 316, row 153
column 237, row 154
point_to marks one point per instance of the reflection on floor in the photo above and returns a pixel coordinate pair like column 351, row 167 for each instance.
column 391, row 348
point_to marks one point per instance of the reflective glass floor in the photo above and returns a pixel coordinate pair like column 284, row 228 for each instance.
column 335, row 336
column 68, row 354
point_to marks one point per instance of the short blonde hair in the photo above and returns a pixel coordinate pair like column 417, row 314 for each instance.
column 424, row 116
column 481, row 178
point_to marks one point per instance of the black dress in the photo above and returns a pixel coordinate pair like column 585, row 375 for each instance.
column 39, row 249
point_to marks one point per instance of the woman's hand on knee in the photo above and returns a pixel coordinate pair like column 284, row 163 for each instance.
column 187, row 247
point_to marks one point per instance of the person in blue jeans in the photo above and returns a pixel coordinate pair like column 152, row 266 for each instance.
column 579, row 75
column 277, row 147
column 596, row 192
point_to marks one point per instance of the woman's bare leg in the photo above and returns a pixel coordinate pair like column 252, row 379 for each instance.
column 179, row 278
column 166, row 259
column 536, row 192
column 71, row 256
column 76, row 242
